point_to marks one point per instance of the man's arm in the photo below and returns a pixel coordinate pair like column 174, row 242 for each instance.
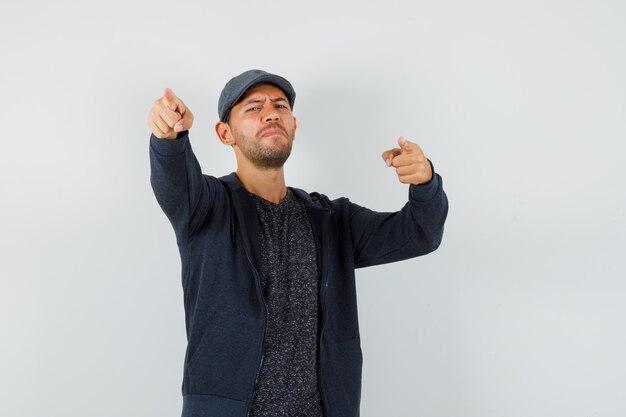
column 175, row 174
column 416, row 229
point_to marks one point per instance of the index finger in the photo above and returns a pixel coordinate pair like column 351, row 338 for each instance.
column 390, row 154
column 170, row 99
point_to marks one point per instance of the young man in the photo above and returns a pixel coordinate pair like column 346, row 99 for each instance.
column 268, row 270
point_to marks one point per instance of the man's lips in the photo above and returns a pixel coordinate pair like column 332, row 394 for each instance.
column 272, row 132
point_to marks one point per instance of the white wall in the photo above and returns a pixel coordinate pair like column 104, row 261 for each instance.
column 520, row 105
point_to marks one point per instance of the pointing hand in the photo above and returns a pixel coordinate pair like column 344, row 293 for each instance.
column 168, row 116
column 409, row 161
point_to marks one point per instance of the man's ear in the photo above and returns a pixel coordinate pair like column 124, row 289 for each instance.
column 224, row 134
column 295, row 126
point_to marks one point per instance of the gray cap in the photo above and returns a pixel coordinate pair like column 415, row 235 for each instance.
column 237, row 86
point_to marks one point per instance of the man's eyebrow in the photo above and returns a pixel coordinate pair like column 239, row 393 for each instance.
column 260, row 101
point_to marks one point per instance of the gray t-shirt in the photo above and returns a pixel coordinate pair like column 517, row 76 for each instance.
column 287, row 384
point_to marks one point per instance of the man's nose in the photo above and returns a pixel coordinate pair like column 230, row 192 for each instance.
column 270, row 115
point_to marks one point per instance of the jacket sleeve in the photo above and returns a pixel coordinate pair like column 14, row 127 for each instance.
column 415, row 230
column 184, row 194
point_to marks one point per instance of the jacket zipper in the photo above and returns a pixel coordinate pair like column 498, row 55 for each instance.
column 258, row 371
column 323, row 304
column 247, row 249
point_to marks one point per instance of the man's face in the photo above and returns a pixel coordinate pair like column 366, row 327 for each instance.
column 263, row 126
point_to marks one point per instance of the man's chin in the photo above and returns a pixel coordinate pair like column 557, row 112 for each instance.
column 274, row 160
column 268, row 154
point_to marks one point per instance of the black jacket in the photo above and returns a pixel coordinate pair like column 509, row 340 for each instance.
column 217, row 233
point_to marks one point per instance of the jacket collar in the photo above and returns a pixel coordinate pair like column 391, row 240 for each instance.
column 311, row 202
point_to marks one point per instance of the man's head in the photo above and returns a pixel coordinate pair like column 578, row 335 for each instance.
column 256, row 118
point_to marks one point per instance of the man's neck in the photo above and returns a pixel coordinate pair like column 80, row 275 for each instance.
column 266, row 183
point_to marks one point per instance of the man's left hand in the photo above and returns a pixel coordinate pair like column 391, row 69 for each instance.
column 409, row 161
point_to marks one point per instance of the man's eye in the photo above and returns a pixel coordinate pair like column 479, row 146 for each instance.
column 281, row 105
column 252, row 108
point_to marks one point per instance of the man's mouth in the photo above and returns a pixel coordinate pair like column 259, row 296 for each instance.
column 272, row 132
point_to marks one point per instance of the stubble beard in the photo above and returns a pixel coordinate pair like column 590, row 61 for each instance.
column 263, row 157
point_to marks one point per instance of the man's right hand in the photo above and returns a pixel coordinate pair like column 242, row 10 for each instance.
column 168, row 116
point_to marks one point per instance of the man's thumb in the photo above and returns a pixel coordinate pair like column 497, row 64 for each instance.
column 184, row 123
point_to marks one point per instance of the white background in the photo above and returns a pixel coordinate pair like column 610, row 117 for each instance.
column 520, row 105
